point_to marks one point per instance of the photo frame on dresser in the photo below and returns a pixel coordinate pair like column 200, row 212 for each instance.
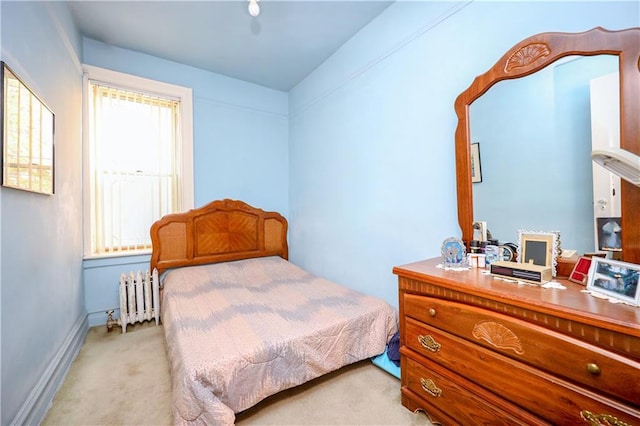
column 580, row 271
column 539, row 248
column 615, row 279
column 453, row 253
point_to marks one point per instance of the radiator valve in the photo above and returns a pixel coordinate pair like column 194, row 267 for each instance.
column 110, row 321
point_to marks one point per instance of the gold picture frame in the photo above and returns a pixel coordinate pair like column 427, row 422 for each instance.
column 539, row 248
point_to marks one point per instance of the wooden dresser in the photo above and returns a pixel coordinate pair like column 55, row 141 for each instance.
column 477, row 350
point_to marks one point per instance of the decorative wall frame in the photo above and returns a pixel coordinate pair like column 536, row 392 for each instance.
column 27, row 129
column 476, row 165
column 615, row 279
column 539, row 248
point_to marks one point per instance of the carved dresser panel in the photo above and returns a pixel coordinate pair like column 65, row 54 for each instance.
column 476, row 350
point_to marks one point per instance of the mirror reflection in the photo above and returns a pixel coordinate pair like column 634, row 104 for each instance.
column 535, row 136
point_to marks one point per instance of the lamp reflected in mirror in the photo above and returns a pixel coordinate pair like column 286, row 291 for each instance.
column 620, row 162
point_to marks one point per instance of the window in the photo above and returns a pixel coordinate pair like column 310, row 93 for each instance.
column 138, row 157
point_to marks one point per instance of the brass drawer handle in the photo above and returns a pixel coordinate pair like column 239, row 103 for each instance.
column 593, row 368
column 600, row 419
column 428, row 342
column 432, row 312
column 430, row 387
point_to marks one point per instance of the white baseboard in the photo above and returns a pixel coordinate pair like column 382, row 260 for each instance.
column 39, row 401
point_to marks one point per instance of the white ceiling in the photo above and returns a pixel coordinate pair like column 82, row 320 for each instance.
column 277, row 49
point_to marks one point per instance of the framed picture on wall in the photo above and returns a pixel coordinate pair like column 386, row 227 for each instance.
column 476, row 167
column 615, row 279
column 27, row 129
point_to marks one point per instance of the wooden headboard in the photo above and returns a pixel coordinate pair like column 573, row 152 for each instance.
column 220, row 231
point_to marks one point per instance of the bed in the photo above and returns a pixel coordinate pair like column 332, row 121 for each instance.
column 241, row 322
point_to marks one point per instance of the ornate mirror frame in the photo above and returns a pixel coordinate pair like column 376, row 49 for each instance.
column 533, row 54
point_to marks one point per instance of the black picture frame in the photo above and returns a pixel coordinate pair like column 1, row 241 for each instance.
column 609, row 233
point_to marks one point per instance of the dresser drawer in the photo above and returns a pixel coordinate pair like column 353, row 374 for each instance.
column 556, row 400
column 588, row 365
column 451, row 393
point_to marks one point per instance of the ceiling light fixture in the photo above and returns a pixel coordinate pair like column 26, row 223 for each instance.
column 254, row 8
column 619, row 161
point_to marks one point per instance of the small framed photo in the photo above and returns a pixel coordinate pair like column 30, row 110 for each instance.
column 580, row 271
column 609, row 233
column 539, row 248
column 476, row 166
column 454, row 253
column 615, row 279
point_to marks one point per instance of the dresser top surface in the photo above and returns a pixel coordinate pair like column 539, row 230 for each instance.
column 571, row 303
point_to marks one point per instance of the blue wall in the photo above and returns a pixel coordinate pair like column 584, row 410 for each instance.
column 359, row 157
column 240, row 150
column 43, row 315
column 371, row 131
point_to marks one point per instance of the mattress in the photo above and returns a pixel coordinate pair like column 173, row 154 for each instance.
column 238, row 332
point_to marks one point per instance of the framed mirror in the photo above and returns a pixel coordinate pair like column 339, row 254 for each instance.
column 527, row 58
column 27, row 137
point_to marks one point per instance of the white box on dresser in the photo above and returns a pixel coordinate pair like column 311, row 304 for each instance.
column 477, row 350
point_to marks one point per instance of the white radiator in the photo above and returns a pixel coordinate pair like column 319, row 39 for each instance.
column 139, row 298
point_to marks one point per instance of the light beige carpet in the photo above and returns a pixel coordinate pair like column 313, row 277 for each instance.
column 123, row 379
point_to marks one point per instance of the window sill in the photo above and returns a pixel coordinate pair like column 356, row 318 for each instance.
column 118, row 254
column 134, row 257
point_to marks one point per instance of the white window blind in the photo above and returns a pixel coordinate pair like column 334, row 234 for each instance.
column 134, row 161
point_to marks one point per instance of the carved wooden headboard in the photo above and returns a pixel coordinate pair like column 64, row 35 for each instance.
column 220, row 231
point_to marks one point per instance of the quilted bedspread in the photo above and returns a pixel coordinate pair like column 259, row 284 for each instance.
column 237, row 332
